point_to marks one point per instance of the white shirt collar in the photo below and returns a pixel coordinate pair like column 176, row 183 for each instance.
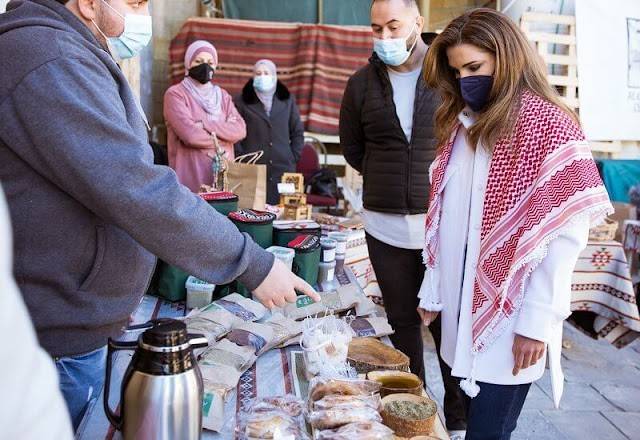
column 467, row 117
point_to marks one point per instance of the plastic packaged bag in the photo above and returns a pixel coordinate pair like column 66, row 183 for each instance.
column 264, row 336
column 344, row 298
column 279, row 417
column 325, row 345
column 213, row 324
column 339, row 401
column 320, row 387
column 221, row 367
column 243, row 309
column 339, row 416
column 288, row 403
column 359, row 431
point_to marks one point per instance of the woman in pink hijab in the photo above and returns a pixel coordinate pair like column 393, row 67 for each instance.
column 195, row 110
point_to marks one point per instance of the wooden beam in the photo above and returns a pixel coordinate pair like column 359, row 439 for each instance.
column 425, row 8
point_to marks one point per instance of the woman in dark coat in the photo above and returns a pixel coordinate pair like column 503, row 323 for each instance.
column 273, row 125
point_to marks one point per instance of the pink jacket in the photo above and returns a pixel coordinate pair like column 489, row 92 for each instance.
column 189, row 135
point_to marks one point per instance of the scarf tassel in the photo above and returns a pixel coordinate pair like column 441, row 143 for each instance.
column 469, row 385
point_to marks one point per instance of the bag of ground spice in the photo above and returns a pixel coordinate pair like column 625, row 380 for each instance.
column 376, row 327
column 212, row 323
column 243, row 309
column 335, row 301
column 264, row 336
column 221, row 366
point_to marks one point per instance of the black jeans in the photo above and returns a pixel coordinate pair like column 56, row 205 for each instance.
column 494, row 412
column 400, row 273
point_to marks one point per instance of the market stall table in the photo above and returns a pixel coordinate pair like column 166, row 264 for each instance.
column 272, row 375
column 602, row 286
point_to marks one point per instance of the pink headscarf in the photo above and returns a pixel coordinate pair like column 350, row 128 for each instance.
column 208, row 95
column 197, row 47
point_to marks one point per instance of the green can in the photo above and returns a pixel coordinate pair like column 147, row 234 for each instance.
column 224, row 202
column 171, row 283
column 286, row 230
column 306, row 263
column 258, row 224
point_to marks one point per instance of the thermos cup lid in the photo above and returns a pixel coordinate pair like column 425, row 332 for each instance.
column 166, row 333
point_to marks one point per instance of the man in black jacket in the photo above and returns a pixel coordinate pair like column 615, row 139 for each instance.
column 387, row 134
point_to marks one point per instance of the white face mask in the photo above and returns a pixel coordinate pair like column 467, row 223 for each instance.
column 264, row 83
column 135, row 37
column 393, row 51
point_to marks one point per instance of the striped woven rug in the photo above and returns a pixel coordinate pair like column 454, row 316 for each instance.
column 314, row 61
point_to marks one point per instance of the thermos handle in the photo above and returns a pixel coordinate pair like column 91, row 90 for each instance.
column 112, row 346
column 197, row 340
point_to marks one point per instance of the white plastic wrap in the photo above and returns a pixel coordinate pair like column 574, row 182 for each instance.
column 325, row 343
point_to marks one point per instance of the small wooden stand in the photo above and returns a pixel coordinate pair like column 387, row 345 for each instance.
column 295, row 205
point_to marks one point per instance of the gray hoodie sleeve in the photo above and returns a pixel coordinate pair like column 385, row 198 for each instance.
column 67, row 120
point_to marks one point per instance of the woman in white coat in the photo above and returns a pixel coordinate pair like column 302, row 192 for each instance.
column 514, row 192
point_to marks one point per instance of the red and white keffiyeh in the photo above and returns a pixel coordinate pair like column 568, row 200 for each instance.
column 542, row 179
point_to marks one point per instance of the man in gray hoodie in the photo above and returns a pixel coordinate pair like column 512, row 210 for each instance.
column 89, row 207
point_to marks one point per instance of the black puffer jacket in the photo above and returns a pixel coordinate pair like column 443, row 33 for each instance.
column 395, row 171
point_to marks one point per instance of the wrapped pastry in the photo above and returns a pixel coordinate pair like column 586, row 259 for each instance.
column 273, row 424
column 338, row 401
column 339, row 416
column 319, row 388
column 359, row 430
column 289, row 404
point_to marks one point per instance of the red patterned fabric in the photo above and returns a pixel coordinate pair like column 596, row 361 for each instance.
column 541, row 179
column 314, row 61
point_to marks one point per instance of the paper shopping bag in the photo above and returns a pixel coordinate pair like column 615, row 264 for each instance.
column 248, row 181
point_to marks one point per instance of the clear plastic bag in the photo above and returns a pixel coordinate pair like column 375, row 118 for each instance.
column 359, row 431
column 320, row 387
column 325, row 345
column 337, row 401
column 339, row 416
column 289, row 404
column 278, row 418
column 274, row 424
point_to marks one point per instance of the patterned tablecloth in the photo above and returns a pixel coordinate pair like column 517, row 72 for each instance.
column 602, row 284
column 272, row 375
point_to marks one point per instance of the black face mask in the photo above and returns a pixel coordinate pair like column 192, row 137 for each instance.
column 203, row 73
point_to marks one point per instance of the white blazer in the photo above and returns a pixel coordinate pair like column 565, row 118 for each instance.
column 449, row 287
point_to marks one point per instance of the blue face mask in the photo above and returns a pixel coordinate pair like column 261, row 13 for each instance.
column 264, row 83
column 475, row 90
column 137, row 34
column 394, row 51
